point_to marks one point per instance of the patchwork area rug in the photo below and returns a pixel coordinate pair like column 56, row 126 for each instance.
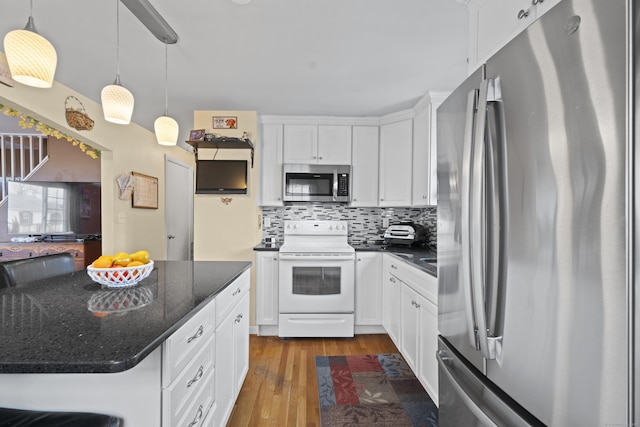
column 372, row 390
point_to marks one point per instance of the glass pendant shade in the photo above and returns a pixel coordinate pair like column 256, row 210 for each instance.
column 117, row 104
column 166, row 129
column 32, row 59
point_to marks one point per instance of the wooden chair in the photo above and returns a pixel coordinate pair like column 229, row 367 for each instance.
column 20, row 272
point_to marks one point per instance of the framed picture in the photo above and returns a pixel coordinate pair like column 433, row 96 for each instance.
column 196, row 135
column 145, row 191
column 225, row 122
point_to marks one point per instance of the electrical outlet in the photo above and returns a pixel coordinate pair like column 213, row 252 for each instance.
column 266, row 221
column 385, row 222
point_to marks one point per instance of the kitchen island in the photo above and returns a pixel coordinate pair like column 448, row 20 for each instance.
column 71, row 344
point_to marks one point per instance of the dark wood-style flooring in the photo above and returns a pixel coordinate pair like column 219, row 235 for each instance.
column 281, row 388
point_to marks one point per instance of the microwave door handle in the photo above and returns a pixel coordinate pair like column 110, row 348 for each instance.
column 335, row 186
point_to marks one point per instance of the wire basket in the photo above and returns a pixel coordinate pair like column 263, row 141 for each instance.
column 76, row 116
column 119, row 277
column 119, row 300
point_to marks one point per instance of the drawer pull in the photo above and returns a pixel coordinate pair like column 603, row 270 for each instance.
column 238, row 318
column 394, row 267
column 197, row 334
column 197, row 377
column 198, row 417
column 236, row 292
column 392, row 280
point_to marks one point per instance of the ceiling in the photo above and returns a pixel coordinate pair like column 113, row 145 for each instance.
column 277, row 57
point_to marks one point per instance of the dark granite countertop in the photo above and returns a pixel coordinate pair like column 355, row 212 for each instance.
column 48, row 327
column 423, row 258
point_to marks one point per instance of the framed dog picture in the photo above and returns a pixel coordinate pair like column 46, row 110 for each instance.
column 225, row 122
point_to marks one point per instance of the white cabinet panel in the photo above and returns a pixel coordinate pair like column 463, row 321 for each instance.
column 396, row 141
column 410, row 328
column 421, row 157
column 364, row 171
column 368, row 288
column 427, row 363
column 267, row 288
column 334, row 145
column 301, row 144
column 270, row 152
column 232, row 347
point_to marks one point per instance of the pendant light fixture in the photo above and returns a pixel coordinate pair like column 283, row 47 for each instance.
column 117, row 101
column 32, row 59
column 166, row 128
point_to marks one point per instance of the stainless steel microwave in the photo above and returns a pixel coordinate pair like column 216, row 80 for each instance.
column 316, row 183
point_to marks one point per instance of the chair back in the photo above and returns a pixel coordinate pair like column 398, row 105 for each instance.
column 20, row 272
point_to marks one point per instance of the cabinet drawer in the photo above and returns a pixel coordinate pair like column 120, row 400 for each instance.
column 392, row 265
column 18, row 252
column 201, row 403
column 422, row 282
column 229, row 298
column 180, row 348
column 178, row 396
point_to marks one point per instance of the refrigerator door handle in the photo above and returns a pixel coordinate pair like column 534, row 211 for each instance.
column 469, row 402
column 466, row 182
column 482, row 225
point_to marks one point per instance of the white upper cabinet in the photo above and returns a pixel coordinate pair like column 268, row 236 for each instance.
column 493, row 23
column 364, row 170
column 317, row 144
column 421, row 157
column 334, row 145
column 270, row 149
column 301, row 144
column 396, row 141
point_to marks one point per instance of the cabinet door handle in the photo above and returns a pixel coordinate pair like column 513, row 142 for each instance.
column 535, row 2
column 394, row 267
column 523, row 13
column 236, row 292
column 198, row 417
column 238, row 318
column 392, row 280
column 197, row 335
column 195, row 379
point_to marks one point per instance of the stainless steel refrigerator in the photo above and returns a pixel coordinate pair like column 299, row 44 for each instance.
column 538, row 227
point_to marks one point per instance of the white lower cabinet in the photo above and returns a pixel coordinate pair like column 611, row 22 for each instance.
column 267, row 288
column 368, row 310
column 410, row 316
column 232, row 346
column 427, row 347
column 391, row 297
column 409, row 320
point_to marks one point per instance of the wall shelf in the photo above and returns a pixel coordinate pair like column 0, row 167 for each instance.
column 226, row 143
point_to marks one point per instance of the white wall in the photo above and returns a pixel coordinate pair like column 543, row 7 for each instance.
column 124, row 149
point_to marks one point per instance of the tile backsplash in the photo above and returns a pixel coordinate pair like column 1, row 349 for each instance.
column 365, row 224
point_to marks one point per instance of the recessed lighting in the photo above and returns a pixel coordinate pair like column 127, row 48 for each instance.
column 241, row 1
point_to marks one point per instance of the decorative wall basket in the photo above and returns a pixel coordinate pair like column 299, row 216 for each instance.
column 76, row 116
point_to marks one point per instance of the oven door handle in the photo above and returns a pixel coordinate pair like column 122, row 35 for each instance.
column 317, row 257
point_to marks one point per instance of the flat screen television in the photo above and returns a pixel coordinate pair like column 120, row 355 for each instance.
column 52, row 209
column 221, row 177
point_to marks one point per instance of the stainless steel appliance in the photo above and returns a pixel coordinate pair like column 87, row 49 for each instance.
column 317, row 276
column 537, row 220
column 316, row 183
column 405, row 233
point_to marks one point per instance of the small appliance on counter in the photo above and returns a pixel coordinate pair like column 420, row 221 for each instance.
column 405, row 233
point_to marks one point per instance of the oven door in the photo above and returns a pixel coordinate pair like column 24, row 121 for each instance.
column 316, row 283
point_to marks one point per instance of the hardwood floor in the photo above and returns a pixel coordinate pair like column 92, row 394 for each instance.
column 281, row 388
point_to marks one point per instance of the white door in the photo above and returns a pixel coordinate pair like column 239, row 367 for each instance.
column 179, row 209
